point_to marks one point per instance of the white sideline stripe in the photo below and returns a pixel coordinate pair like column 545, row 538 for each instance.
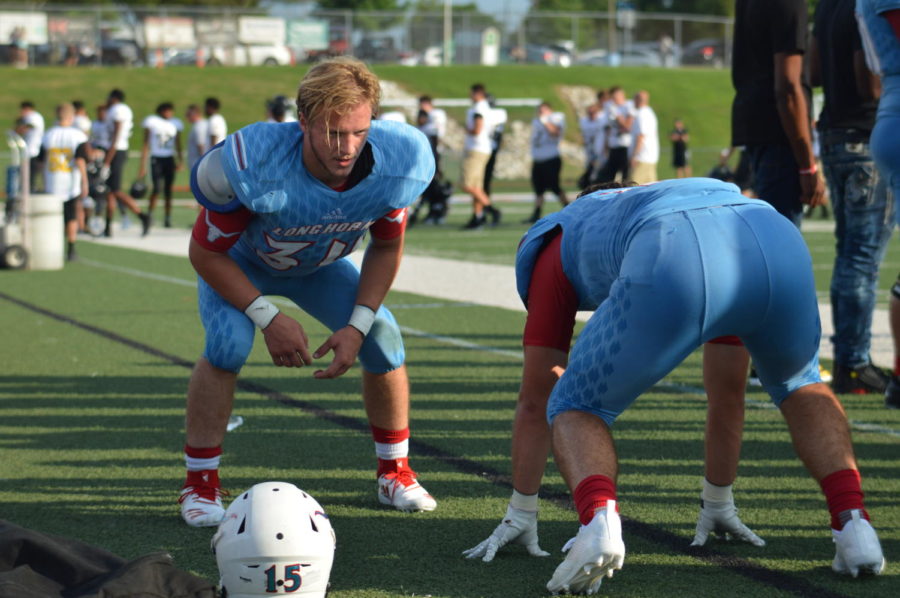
column 857, row 425
column 464, row 344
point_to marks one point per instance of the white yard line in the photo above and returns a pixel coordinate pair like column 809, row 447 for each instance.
column 441, row 278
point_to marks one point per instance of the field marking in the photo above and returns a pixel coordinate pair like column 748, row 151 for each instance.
column 676, row 543
column 464, row 344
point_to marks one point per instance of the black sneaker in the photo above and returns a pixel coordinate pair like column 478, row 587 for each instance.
column 475, row 222
column 496, row 215
column 71, row 255
column 535, row 216
column 866, row 379
column 168, row 222
column 892, row 394
column 145, row 223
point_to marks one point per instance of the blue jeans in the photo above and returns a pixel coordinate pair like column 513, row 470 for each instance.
column 864, row 217
column 776, row 179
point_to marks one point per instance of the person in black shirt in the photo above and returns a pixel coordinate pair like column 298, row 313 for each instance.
column 770, row 113
column 862, row 211
column 680, row 137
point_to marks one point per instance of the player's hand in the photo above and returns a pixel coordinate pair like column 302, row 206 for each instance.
column 722, row 518
column 345, row 343
column 517, row 526
column 287, row 342
column 812, row 190
column 104, row 172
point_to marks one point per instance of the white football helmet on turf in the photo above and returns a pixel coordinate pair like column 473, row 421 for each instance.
column 275, row 539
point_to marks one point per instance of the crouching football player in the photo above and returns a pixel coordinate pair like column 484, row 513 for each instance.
column 284, row 204
column 666, row 268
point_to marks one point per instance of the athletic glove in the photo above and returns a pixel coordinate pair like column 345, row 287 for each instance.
column 722, row 519
column 517, row 526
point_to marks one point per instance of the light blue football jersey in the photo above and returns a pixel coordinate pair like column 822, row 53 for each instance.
column 879, row 41
column 300, row 223
column 598, row 227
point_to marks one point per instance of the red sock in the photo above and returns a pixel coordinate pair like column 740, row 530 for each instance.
column 843, row 492
column 591, row 494
column 206, row 478
column 392, row 465
column 389, row 436
column 897, row 365
column 202, row 453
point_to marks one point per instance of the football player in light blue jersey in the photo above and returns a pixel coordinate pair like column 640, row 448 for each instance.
column 283, row 205
column 665, row 268
column 879, row 28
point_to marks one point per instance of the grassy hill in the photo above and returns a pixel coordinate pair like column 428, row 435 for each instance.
column 701, row 97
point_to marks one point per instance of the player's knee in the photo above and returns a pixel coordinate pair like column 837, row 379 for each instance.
column 383, row 349
column 229, row 355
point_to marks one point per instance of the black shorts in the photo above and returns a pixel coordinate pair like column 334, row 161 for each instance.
column 69, row 209
column 116, row 167
column 545, row 176
column 680, row 158
column 162, row 173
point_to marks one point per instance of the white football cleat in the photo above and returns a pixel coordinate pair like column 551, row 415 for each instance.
column 401, row 490
column 596, row 552
column 201, row 499
column 858, row 548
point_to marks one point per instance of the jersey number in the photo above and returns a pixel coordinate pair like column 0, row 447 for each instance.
column 291, row 582
column 282, row 256
column 59, row 159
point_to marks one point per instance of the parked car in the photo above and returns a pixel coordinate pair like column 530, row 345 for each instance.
column 633, row 56
column 541, row 54
column 704, row 52
column 247, row 55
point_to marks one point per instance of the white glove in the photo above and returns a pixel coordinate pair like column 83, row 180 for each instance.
column 104, row 172
column 722, row 518
column 517, row 526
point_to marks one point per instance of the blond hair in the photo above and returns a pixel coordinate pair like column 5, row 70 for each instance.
column 337, row 86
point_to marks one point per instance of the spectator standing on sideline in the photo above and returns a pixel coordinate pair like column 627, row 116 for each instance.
column 497, row 122
column 82, row 120
column 601, row 147
column 119, row 121
column 433, row 123
column 197, row 138
column 645, row 140
column 771, row 110
column 162, row 142
column 864, row 216
column 99, row 135
column 879, row 26
column 476, row 153
column 547, row 129
column 620, row 119
column 64, row 148
column 216, row 126
column 34, row 133
column 589, row 125
column 681, row 160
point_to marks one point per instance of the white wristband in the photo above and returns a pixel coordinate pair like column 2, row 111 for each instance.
column 523, row 502
column 261, row 312
column 362, row 319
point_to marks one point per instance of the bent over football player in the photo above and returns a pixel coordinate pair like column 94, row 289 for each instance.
column 283, row 205
column 665, row 268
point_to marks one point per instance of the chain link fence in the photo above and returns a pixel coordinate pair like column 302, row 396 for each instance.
column 172, row 35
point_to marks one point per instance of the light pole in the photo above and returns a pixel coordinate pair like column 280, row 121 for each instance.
column 448, row 32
